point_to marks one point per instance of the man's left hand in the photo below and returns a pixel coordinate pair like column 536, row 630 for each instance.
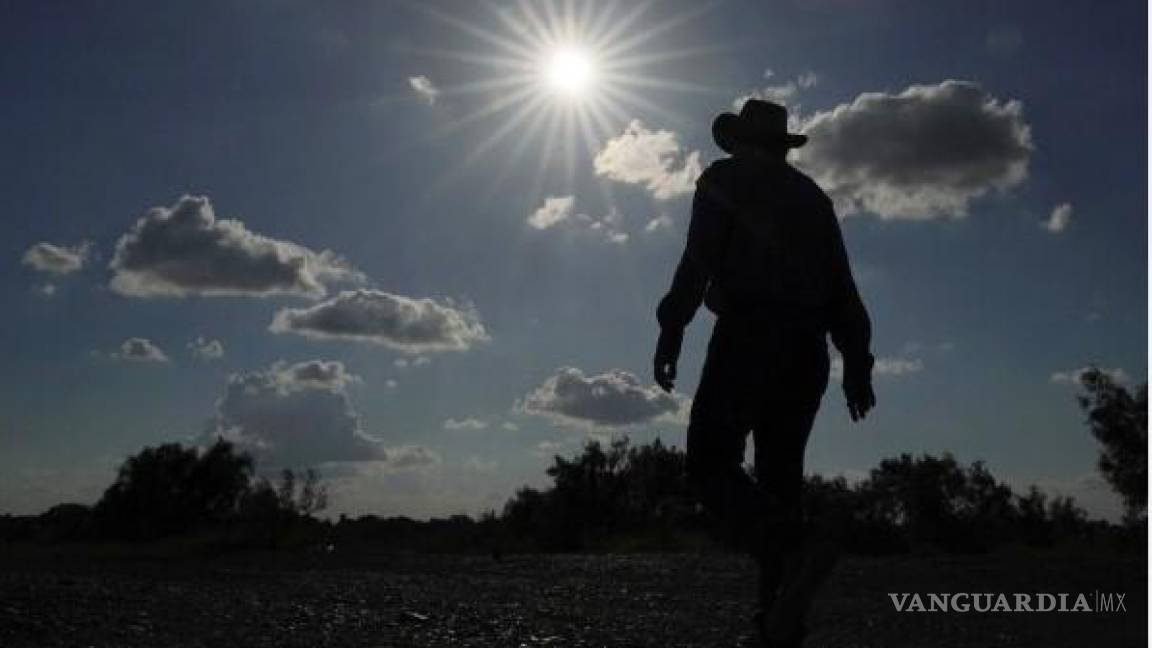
column 667, row 354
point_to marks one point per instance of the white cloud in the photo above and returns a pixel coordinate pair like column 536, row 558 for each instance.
column 405, row 363
column 781, row 93
column 654, row 159
column 184, row 250
column 480, row 465
column 1074, row 376
column 202, row 348
column 410, row 456
column 611, row 399
column 661, row 222
column 294, row 415
column 424, row 87
column 391, row 383
column 139, row 349
column 510, row 426
column 548, row 448
column 465, row 424
column 923, row 153
column 900, row 366
column 1059, row 219
column 561, row 210
column 57, row 259
column 554, row 210
column 402, row 323
column 47, row 290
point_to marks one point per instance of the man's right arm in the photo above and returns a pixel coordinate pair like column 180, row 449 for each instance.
column 707, row 236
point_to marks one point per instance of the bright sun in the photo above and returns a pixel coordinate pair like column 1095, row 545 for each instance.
column 570, row 70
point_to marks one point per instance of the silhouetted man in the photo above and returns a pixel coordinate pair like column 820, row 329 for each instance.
column 765, row 254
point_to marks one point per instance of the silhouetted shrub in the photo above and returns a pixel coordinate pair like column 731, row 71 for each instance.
column 1119, row 421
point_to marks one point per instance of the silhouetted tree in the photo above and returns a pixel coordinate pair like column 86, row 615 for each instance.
column 1119, row 421
column 171, row 489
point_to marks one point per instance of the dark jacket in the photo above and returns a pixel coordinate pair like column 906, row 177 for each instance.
column 764, row 244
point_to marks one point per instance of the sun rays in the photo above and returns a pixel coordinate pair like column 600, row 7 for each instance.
column 559, row 76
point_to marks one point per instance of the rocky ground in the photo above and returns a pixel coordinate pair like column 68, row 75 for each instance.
column 78, row 598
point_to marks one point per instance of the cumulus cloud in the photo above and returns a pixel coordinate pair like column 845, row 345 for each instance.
column 376, row 317
column 612, row 399
column 294, row 415
column 654, row 159
column 1074, row 376
column 185, row 250
column 555, row 209
column 138, row 349
column 202, row 348
column 1059, row 219
column 424, row 87
column 465, row 424
column 57, row 259
column 923, row 153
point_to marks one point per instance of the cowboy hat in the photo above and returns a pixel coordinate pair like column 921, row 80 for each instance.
column 759, row 123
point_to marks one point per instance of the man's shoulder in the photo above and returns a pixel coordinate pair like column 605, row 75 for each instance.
column 808, row 185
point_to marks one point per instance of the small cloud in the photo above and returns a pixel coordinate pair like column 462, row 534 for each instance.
column 411, row 457
column 465, row 424
column 510, row 426
column 555, row 209
column 898, row 366
column 55, row 259
column 661, row 222
column 391, row 383
column 424, row 87
column 402, row 323
column 480, row 465
column 654, row 159
column 139, row 349
column 560, row 210
column 1075, row 376
column 204, row 349
column 405, row 363
column 548, row 448
column 781, row 93
column 615, row 398
column 1059, row 219
column 47, row 290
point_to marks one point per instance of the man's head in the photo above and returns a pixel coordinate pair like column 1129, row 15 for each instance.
column 761, row 128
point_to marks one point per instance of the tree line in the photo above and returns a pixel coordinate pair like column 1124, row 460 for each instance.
column 612, row 497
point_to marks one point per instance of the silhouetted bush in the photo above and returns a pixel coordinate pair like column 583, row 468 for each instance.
column 906, row 502
column 176, row 490
column 1119, row 421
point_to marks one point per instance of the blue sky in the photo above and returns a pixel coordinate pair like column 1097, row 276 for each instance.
column 382, row 287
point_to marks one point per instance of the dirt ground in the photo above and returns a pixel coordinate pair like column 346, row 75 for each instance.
column 52, row 599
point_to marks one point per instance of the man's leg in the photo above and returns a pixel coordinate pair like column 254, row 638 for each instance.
column 716, row 441
column 789, row 571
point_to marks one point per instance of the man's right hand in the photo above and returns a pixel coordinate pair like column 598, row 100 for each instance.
column 667, row 354
column 858, row 387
